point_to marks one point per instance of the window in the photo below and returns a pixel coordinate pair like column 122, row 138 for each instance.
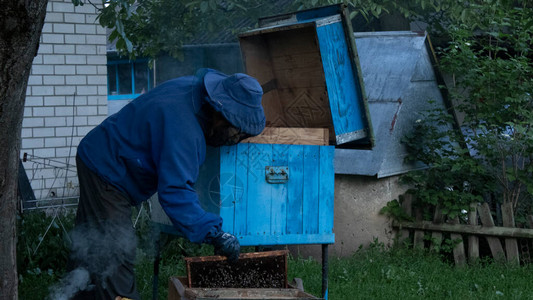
column 128, row 79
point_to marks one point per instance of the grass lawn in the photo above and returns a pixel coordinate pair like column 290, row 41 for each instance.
column 376, row 273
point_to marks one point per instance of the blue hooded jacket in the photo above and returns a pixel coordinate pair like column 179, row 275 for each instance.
column 156, row 144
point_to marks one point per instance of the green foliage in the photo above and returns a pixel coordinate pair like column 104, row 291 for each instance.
column 394, row 210
column 42, row 251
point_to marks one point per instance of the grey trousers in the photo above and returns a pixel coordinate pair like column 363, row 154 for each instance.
column 103, row 239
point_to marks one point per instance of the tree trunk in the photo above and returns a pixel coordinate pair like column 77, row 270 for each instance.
column 21, row 23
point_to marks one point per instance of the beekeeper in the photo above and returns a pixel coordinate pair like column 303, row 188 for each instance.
column 156, row 143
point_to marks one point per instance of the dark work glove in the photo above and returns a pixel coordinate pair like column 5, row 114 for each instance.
column 225, row 244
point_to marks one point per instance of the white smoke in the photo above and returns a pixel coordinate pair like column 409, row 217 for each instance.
column 73, row 282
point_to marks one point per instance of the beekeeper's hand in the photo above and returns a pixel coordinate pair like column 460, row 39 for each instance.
column 225, row 244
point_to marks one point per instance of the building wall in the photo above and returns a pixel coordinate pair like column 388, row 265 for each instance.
column 66, row 96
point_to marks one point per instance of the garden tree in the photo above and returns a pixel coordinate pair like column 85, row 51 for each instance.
column 490, row 157
column 21, row 23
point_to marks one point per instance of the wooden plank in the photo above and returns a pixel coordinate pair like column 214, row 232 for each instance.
column 241, row 178
column 459, row 250
column 326, row 192
column 278, row 213
column 467, row 229
column 418, row 241
column 291, row 136
column 310, row 190
column 473, row 241
column 259, row 191
column 436, row 237
column 511, row 245
column 295, row 188
column 344, row 92
column 487, row 221
column 295, row 41
column 408, row 209
column 227, row 187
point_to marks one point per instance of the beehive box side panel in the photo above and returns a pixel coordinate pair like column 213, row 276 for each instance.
column 311, row 187
column 241, row 177
column 207, row 184
column 259, row 191
column 279, row 192
column 295, row 191
column 327, row 192
column 343, row 89
column 258, row 63
column 228, row 187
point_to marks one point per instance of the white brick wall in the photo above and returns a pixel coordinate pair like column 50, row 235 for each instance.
column 66, row 95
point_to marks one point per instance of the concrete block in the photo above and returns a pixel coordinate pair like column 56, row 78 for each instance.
column 101, row 70
column 97, row 59
column 55, row 122
column 96, row 100
column 85, row 49
column 74, row 18
column 62, row 7
column 102, row 90
column 29, row 143
column 32, row 122
column 54, row 79
column 95, row 120
column 65, row 70
column 86, row 110
column 27, row 112
column 65, row 90
column 55, row 142
column 76, row 59
column 77, row 79
column 43, row 132
column 80, row 121
column 86, row 28
column 96, row 39
column 26, row 133
column 67, row 152
column 63, row 28
column 86, row 70
column 54, row 101
column 52, row 17
column 86, row 90
column 38, row 59
column 42, row 69
column 64, row 49
column 35, row 80
column 100, row 30
column 34, row 101
column 77, row 100
column 75, row 39
column 40, row 90
column 65, row 131
column 66, row 111
column 53, row 38
column 43, row 111
column 53, row 59
column 86, row 9
column 45, row 49
column 47, row 27
column 97, row 79
column 101, row 50
column 46, row 153
column 91, row 19
column 82, row 131
column 102, row 110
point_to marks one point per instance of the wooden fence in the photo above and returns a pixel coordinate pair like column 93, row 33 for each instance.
column 471, row 231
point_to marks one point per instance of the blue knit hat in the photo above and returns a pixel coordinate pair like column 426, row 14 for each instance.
column 237, row 98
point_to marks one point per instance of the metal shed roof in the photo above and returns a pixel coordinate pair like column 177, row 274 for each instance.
column 399, row 77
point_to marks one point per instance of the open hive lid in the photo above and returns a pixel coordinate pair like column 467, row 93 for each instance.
column 308, row 66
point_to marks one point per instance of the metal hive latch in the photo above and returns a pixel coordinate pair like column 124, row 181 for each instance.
column 277, row 175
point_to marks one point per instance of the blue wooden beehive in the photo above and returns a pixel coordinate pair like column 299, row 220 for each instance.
column 280, row 189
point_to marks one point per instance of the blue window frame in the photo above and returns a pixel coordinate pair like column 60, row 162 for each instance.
column 128, row 79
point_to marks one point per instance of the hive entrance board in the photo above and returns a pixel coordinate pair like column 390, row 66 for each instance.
column 310, row 75
column 252, row 270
